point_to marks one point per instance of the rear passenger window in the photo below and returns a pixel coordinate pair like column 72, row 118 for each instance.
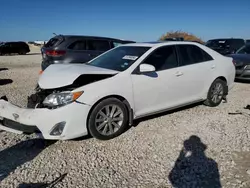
column 54, row 42
column 98, row 45
column 78, row 45
column 191, row 54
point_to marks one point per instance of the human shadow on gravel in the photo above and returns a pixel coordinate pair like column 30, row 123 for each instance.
column 5, row 81
column 22, row 152
column 242, row 81
column 192, row 167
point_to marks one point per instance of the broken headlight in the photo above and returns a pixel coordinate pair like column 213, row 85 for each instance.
column 61, row 99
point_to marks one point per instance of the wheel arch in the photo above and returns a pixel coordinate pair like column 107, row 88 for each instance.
column 225, row 80
column 120, row 98
column 222, row 78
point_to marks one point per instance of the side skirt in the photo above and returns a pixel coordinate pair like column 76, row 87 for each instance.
column 168, row 109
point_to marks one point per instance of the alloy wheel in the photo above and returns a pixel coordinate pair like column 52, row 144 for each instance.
column 109, row 119
column 217, row 92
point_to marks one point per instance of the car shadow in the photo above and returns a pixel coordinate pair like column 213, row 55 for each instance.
column 82, row 138
column 139, row 120
column 193, row 168
column 22, row 152
column 3, row 69
column 242, row 81
column 5, row 81
column 151, row 74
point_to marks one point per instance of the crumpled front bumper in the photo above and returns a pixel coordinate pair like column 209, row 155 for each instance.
column 42, row 120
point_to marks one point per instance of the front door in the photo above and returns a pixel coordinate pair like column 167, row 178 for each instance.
column 158, row 90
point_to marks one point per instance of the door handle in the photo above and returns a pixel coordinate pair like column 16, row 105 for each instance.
column 178, row 74
column 213, row 66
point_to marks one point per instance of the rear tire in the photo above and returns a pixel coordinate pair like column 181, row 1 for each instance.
column 22, row 53
column 108, row 119
column 216, row 93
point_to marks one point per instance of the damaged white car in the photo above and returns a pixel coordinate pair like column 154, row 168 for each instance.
column 105, row 95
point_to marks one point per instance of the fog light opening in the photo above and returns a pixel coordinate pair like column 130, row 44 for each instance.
column 58, row 129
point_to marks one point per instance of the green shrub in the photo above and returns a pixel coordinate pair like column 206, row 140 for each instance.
column 185, row 35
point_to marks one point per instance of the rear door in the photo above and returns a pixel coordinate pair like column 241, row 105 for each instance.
column 197, row 67
column 15, row 47
column 77, row 52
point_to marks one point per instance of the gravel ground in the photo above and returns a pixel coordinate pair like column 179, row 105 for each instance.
column 150, row 154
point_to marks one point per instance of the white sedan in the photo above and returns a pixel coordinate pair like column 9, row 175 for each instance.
column 104, row 96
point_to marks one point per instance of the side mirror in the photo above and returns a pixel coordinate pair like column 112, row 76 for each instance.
column 146, row 68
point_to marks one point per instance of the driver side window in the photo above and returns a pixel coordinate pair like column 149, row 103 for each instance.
column 163, row 58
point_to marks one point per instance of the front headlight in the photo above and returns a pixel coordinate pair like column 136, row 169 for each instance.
column 61, row 99
column 247, row 67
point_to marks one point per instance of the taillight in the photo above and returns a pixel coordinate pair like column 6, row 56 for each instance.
column 234, row 62
column 55, row 52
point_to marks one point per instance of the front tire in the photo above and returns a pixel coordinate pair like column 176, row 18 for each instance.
column 216, row 93
column 108, row 119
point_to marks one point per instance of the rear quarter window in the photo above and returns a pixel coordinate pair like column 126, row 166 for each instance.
column 54, row 42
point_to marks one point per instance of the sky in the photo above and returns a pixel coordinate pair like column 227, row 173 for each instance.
column 139, row 20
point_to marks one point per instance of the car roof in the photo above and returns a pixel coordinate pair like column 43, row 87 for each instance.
column 226, row 39
column 160, row 43
column 94, row 37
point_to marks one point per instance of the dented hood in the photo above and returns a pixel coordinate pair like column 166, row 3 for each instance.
column 60, row 75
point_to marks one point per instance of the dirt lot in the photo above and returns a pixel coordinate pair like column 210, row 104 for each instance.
column 147, row 155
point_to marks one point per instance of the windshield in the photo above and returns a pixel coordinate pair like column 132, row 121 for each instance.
column 216, row 43
column 119, row 58
column 244, row 50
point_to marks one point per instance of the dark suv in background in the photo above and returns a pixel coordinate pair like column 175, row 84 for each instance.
column 20, row 48
column 76, row 49
column 225, row 45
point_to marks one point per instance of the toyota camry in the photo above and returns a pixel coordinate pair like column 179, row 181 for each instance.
column 104, row 96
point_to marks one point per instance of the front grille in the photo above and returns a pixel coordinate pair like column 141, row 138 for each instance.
column 36, row 100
